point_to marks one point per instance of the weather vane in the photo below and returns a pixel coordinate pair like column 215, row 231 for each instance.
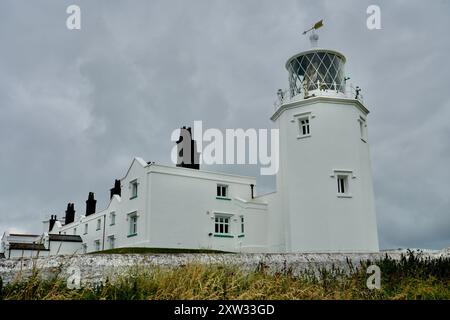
column 314, row 37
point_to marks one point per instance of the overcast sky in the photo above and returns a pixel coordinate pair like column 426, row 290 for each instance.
column 77, row 106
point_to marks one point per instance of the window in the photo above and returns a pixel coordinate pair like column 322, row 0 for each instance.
column 242, row 225
column 75, row 231
column 363, row 129
column 222, row 226
column 222, row 191
column 343, row 181
column 99, row 224
column 97, row 245
column 111, row 242
column 86, row 228
column 134, row 189
column 303, row 121
column 112, row 218
column 304, row 126
column 133, row 224
column 84, row 246
column 342, row 184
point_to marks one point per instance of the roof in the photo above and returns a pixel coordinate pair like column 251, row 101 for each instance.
column 313, row 50
column 27, row 246
column 64, row 237
column 23, row 235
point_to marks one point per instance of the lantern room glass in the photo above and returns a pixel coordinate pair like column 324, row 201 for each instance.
column 318, row 70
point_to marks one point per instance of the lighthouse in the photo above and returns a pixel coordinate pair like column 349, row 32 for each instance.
column 325, row 187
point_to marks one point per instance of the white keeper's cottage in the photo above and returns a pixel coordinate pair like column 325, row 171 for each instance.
column 324, row 200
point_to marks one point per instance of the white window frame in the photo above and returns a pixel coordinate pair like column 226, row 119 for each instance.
column 348, row 176
column 99, row 224
column 132, row 224
column 297, row 119
column 86, row 228
column 222, row 219
column 242, row 224
column 342, row 182
column 134, row 187
column 221, row 189
column 112, row 218
column 304, row 126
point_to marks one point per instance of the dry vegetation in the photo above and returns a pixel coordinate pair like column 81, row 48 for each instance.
column 412, row 277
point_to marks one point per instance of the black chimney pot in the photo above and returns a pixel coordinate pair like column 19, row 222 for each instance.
column 188, row 156
column 51, row 222
column 90, row 204
column 70, row 213
column 116, row 190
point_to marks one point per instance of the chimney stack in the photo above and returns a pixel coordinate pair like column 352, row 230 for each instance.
column 70, row 213
column 188, row 156
column 116, row 190
column 52, row 222
column 90, row 204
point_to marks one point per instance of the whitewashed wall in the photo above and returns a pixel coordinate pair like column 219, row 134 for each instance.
column 315, row 218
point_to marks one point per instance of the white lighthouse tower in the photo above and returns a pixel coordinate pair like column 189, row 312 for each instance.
column 324, row 182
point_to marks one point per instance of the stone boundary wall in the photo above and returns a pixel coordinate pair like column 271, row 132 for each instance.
column 96, row 268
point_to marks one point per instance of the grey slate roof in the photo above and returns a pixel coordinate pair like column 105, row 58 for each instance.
column 65, row 238
column 27, row 246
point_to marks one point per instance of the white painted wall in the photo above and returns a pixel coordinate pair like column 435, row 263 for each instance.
column 14, row 254
column 176, row 209
column 315, row 218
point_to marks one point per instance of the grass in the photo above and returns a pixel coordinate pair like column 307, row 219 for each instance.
column 411, row 277
column 137, row 250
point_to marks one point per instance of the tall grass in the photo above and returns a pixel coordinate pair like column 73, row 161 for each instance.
column 411, row 277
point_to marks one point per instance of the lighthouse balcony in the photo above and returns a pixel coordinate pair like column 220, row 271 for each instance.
column 318, row 90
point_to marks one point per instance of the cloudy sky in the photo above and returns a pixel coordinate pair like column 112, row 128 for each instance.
column 77, row 106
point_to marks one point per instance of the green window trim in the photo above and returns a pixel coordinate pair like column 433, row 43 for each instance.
column 222, row 198
column 133, row 197
column 132, row 235
column 219, row 235
column 241, row 236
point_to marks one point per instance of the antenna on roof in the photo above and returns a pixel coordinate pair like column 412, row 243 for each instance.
column 314, row 37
